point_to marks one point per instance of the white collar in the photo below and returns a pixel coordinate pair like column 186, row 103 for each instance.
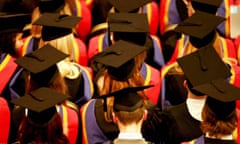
column 130, row 136
column 225, row 137
column 195, row 107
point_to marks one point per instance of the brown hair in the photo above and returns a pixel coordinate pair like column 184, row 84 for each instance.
column 57, row 84
column 51, row 133
column 130, row 117
column 215, row 127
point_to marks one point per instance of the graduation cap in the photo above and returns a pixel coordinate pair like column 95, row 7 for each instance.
column 209, row 6
column 221, row 96
column 42, row 64
column 127, row 6
column 50, row 5
column 203, row 66
column 200, row 27
column 129, row 26
column 128, row 22
column 10, row 22
column 41, row 104
column 119, row 59
column 125, row 99
column 56, row 25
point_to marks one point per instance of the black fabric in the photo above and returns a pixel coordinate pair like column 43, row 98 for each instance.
column 17, row 115
column 218, row 141
column 75, row 88
column 150, row 53
column 154, row 126
column 182, row 9
column 175, row 91
column 169, row 40
column 187, row 128
column 109, row 129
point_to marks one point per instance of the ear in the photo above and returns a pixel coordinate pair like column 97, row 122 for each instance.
column 185, row 83
column 145, row 114
column 115, row 119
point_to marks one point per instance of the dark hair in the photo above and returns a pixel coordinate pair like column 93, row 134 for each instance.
column 50, row 133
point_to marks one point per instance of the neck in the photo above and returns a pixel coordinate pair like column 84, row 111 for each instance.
column 130, row 128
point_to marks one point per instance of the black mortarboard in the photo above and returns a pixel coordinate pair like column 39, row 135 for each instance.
column 126, row 99
column 209, row 6
column 13, row 22
column 200, row 27
column 128, row 22
column 41, row 104
column 56, row 25
column 42, row 63
column 50, row 5
column 203, row 66
column 128, row 6
column 119, row 59
column 221, row 96
column 129, row 26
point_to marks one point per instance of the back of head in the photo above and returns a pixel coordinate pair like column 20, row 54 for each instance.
column 209, row 6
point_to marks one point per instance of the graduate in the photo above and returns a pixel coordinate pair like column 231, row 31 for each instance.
column 43, row 72
column 200, row 67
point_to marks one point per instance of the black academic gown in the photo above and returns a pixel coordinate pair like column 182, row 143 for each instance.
column 218, row 141
column 184, row 126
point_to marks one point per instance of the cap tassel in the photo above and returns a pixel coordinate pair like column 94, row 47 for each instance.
column 32, row 55
column 36, row 98
column 202, row 62
column 217, row 87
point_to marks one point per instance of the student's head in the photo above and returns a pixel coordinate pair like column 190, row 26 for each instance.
column 209, row 6
column 42, row 123
column 122, row 70
column 128, row 104
column 215, row 126
column 219, row 115
column 43, row 70
column 129, row 27
column 11, row 32
column 203, row 66
column 201, row 28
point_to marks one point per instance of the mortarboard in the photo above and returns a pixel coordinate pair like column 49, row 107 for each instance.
column 129, row 26
column 56, row 25
column 200, row 27
column 128, row 6
column 50, row 5
column 42, row 63
column 221, row 96
column 209, row 6
column 203, row 65
column 119, row 58
column 13, row 22
column 41, row 104
column 126, row 99
column 128, row 22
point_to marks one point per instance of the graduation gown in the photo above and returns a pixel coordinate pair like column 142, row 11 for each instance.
column 186, row 127
column 96, row 130
column 205, row 140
